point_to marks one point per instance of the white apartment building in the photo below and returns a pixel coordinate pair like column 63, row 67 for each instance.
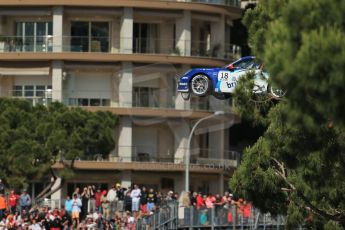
column 125, row 56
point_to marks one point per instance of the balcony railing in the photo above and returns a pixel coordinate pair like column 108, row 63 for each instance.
column 208, row 163
column 236, row 3
column 98, row 44
column 123, row 99
column 199, row 156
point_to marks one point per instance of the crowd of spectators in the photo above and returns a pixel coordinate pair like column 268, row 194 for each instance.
column 89, row 208
column 118, row 208
column 226, row 209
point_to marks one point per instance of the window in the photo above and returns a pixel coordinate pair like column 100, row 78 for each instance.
column 145, row 38
column 18, row 91
column 95, row 102
column 28, row 91
column 33, row 37
column 40, row 90
column 83, row 102
column 90, row 36
column 88, row 102
column 36, row 94
column 145, row 97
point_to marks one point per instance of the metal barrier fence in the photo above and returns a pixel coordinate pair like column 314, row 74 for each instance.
column 172, row 216
column 228, row 218
column 165, row 218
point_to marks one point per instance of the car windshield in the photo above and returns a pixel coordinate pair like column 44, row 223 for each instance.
column 246, row 64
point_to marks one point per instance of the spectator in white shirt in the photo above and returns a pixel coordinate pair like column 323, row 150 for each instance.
column 34, row 225
column 135, row 194
column 112, row 199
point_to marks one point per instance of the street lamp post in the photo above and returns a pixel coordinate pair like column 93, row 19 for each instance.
column 187, row 155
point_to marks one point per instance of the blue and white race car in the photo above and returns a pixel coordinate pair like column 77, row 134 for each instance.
column 221, row 82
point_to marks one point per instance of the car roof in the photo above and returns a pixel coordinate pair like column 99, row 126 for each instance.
column 245, row 58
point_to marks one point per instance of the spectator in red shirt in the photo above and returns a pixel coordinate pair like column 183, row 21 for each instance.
column 246, row 209
column 12, row 201
column 240, row 207
column 98, row 196
column 199, row 201
column 210, row 200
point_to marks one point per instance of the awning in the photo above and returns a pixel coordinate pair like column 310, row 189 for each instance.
column 9, row 11
column 24, row 71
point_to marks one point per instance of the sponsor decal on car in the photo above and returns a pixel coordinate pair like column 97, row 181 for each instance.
column 231, row 84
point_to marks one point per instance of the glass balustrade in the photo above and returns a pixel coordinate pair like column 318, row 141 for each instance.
column 101, row 44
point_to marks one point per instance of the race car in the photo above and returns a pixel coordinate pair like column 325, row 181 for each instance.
column 221, row 82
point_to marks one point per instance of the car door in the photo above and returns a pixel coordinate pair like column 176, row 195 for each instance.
column 227, row 79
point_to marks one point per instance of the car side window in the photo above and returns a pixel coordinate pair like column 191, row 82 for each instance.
column 247, row 64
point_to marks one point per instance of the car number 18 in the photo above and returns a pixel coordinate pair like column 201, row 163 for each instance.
column 223, row 75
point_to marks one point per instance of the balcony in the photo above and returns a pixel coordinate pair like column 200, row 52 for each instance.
column 106, row 45
column 105, row 100
column 198, row 156
column 146, row 162
column 236, row 3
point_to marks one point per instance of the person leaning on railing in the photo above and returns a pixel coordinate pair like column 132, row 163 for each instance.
column 151, row 199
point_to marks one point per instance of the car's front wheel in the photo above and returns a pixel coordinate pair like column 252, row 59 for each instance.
column 200, row 85
column 277, row 93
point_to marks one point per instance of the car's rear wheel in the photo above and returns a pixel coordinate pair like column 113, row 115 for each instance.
column 277, row 93
column 200, row 85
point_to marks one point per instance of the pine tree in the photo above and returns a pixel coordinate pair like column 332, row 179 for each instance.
column 33, row 138
column 297, row 167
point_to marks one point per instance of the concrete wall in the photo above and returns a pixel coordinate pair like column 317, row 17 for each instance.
column 6, row 86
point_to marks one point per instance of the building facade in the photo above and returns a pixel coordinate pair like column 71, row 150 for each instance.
column 125, row 56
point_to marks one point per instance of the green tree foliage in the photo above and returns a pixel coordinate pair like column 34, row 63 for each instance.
column 33, row 138
column 297, row 167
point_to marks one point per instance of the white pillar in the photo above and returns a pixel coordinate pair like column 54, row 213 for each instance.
column 56, row 196
column 181, row 133
column 126, row 179
column 126, row 85
column 126, row 31
column 183, row 33
column 57, row 28
column 125, row 148
column 57, row 81
column 218, row 37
